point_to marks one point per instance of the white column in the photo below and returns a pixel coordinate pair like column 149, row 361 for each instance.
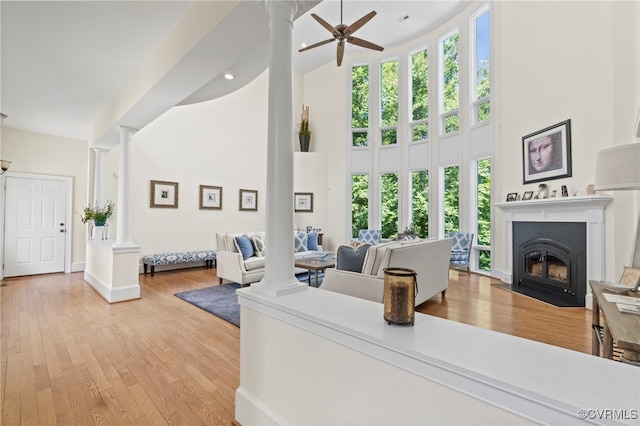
column 279, row 275
column 123, row 207
column 98, row 176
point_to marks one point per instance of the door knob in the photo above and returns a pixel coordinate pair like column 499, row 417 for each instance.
column 62, row 224
column 62, row 230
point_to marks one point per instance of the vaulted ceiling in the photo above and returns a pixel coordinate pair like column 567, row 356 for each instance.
column 75, row 69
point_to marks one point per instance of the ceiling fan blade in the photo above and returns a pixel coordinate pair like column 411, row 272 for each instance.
column 340, row 52
column 317, row 44
column 364, row 43
column 323, row 23
column 360, row 22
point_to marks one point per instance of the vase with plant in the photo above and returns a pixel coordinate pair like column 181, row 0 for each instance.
column 99, row 215
column 304, row 133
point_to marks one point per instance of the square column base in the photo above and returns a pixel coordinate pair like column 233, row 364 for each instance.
column 112, row 270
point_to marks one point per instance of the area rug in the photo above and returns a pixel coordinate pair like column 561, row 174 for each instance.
column 220, row 300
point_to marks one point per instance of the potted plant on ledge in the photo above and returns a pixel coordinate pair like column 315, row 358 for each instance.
column 99, row 215
column 304, row 134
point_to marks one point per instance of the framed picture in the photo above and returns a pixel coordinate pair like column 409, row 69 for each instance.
column 512, row 196
column 210, row 197
column 546, row 154
column 248, row 200
column 527, row 195
column 631, row 277
column 553, row 193
column 163, row 194
column 303, row 201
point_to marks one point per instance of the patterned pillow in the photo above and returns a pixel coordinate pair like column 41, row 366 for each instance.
column 258, row 245
column 300, row 241
column 351, row 258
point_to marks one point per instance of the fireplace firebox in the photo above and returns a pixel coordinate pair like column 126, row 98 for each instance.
column 549, row 261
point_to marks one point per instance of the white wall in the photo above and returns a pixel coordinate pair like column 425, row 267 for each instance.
column 221, row 143
column 557, row 61
column 52, row 155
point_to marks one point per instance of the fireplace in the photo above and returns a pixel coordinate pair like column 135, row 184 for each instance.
column 586, row 210
column 549, row 261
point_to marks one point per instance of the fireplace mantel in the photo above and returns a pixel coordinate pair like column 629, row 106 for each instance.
column 588, row 209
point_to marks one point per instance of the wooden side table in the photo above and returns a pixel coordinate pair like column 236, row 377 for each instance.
column 616, row 326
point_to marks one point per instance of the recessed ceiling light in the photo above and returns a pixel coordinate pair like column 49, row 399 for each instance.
column 228, row 76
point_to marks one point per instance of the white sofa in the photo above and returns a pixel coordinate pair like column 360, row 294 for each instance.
column 428, row 258
column 231, row 266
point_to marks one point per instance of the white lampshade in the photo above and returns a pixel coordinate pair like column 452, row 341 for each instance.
column 618, row 168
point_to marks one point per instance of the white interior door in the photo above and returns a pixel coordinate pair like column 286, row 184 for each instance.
column 35, row 216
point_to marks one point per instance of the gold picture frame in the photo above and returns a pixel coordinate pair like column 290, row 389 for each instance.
column 248, row 200
column 210, row 197
column 303, row 202
column 163, row 194
column 631, row 277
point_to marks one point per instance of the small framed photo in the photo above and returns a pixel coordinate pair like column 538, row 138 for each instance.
column 210, row 197
column 309, row 229
column 512, row 196
column 554, row 193
column 303, row 201
column 527, row 195
column 631, row 277
column 248, row 200
column 163, row 195
column 546, row 154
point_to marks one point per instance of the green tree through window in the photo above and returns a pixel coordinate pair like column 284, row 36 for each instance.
column 359, row 203
column 389, row 213
column 360, row 105
column 451, row 81
column 420, row 202
column 420, row 95
column 484, row 212
column 451, row 199
column 389, row 102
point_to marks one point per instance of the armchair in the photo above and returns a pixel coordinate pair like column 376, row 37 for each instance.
column 460, row 249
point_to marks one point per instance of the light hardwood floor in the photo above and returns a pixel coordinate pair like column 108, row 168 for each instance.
column 68, row 357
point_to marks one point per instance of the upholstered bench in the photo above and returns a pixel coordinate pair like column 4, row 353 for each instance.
column 209, row 256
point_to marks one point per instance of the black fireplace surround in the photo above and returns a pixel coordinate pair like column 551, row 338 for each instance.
column 550, row 261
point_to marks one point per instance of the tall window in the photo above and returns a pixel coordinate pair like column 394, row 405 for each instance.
column 482, row 68
column 451, row 199
column 389, row 102
column 360, row 105
column 359, row 203
column 483, row 218
column 389, row 204
column 420, row 202
column 450, row 84
column 419, row 96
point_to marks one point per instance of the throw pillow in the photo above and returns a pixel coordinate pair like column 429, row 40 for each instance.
column 312, row 241
column 244, row 246
column 351, row 258
column 300, row 241
column 259, row 245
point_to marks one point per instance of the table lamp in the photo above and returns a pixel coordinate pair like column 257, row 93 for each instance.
column 618, row 168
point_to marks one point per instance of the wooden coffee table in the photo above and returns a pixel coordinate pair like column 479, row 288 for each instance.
column 316, row 264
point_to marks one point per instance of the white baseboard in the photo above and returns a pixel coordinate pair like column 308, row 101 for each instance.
column 77, row 266
column 252, row 411
column 109, row 294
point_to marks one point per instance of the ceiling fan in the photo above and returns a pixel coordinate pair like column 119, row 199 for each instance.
column 343, row 33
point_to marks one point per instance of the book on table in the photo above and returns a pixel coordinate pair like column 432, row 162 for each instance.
column 630, row 309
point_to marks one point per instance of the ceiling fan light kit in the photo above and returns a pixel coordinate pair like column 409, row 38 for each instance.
column 344, row 33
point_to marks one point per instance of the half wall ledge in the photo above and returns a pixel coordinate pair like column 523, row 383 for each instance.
column 306, row 351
